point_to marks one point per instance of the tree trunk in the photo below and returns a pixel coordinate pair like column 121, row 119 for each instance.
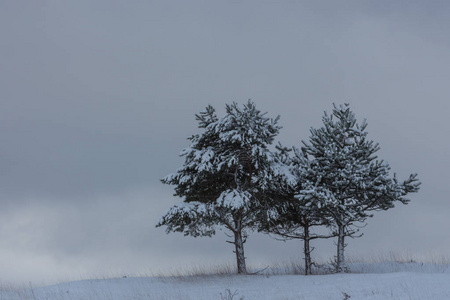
column 340, row 258
column 307, row 251
column 240, row 257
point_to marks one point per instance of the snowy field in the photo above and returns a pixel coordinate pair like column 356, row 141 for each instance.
column 386, row 280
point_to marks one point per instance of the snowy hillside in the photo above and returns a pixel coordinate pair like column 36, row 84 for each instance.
column 412, row 281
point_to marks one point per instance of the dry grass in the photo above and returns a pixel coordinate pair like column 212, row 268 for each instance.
column 195, row 273
column 383, row 263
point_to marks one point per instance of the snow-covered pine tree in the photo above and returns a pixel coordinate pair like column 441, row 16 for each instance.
column 342, row 176
column 287, row 217
column 227, row 170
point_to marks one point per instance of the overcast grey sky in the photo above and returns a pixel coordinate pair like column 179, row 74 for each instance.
column 97, row 99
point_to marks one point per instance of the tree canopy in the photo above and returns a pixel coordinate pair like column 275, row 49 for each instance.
column 230, row 178
column 227, row 169
column 341, row 175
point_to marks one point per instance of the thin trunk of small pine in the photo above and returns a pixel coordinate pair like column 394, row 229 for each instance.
column 307, row 251
column 340, row 258
column 240, row 257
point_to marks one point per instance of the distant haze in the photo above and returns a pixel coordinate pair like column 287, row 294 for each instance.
column 97, row 99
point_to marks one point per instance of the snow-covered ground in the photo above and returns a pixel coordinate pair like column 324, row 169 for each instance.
column 394, row 281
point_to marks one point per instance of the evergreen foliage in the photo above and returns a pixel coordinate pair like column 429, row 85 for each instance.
column 227, row 170
column 231, row 179
column 341, row 176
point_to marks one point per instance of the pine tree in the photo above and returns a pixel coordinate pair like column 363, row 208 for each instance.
column 226, row 172
column 341, row 175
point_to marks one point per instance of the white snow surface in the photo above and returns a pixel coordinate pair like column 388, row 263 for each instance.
column 417, row 284
column 234, row 199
